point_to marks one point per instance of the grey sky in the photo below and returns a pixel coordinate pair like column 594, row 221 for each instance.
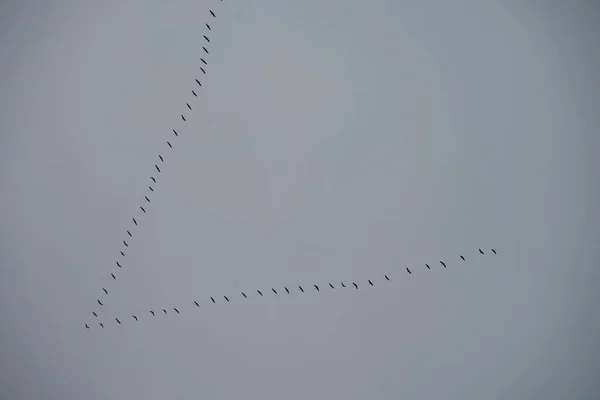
column 331, row 140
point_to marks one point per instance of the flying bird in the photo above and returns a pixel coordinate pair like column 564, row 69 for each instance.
column 331, row 286
column 226, row 298
column 176, row 310
column 206, row 37
column 105, row 291
column 204, row 62
column 463, row 258
column 182, row 117
column 150, row 187
column 481, row 251
column 427, row 265
column 123, row 254
column 343, row 284
column 86, row 325
column 156, row 166
column 147, row 199
column 142, row 208
column 258, row 291
column 408, row 270
column 134, row 317
column 95, row 315
column 213, row 300
column 494, row 251
column 125, row 243
column 196, row 303
column 287, row 290
column 206, row 51
column 355, row 285
column 274, row 291
column 165, row 311
column 169, row 144
column 370, row 283
column 212, row 13
column 203, row 71
column 99, row 302
column 208, row 26
column 441, row 262
column 198, row 82
column 175, row 132
column 135, row 222
column 244, row 294
column 129, row 233
column 113, row 276
column 101, row 324
column 386, row 277
column 153, row 179
column 161, row 159
column 119, row 322
column 302, row 290
column 119, row 265
column 188, row 104
column 152, row 312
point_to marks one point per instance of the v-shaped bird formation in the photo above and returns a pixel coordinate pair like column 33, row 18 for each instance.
column 204, row 41
column 289, row 290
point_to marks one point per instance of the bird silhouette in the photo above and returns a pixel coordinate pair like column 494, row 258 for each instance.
column 125, row 243
column 463, row 258
column 152, row 312
column 481, row 251
column 287, row 290
column 119, row 265
column 213, row 300
column 123, row 254
column 244, row 294
column 302, row 290
column 203, row 61
column 169, row 144
column 129, row 233
column 386, row 277
column 134, row 221
column 408, row 270
column 147, row 199
column 206, row 51
column 150, row 187
column 342, row 284
column 101, row 324
column 198, row 82
column 226, row 298
column 165, row 311
column 175, row 132
column 113, row 276
column 156, row 166
column 194, row 93
column 494, row 251
column 203, row 71
column 206, row 37
column 95, row 315
column 153, row 179
column 355, row 285
column 105, row 291
column 274, row 291
column 134, row 317
column 99, row 302
column 259, row 292
column 119, row 322
column 208, row 26
column 370, row 283
column 86, row 325
column 188, row 105
column 159, row 156
column 427, row 265
column 196, row 303
column 212, row 13
column 142, row 208
column 331, row 286
column 444, row 264
column 176, row 310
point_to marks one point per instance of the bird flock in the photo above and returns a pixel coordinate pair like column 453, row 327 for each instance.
column 170, row 143
column 287, row 290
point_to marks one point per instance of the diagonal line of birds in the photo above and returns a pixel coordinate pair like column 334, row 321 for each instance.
column 288, row 290
column 158, row 167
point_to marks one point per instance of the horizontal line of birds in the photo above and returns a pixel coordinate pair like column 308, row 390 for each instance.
column 287, row 290
column 151, row 188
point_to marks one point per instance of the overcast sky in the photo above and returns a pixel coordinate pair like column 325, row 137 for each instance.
column 332, row 140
